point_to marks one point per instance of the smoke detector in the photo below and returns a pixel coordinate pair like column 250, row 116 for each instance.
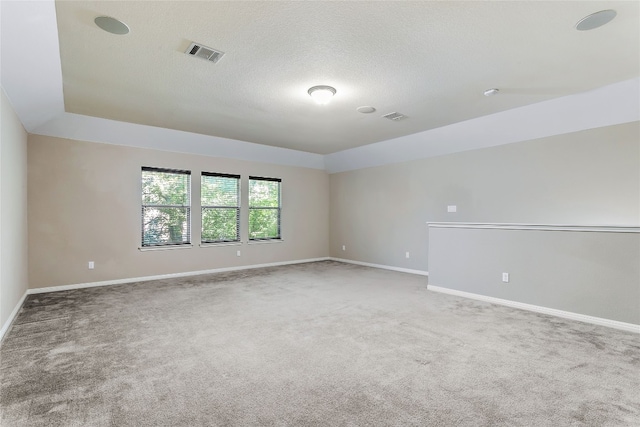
column 200, row 51
column 395, row 116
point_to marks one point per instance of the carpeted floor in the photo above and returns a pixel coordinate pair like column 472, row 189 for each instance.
column 319, row 344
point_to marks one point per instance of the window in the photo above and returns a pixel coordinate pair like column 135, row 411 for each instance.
column 220, row 200
column 264, row 208
column 166, row 208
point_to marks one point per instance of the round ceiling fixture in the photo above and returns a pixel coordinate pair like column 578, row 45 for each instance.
column 322, row 94
column 491, row 92
column 596, row 20
column 112, row 25
column 365, row 109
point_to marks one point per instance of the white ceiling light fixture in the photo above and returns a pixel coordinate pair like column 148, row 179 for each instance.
column 112, row 25
column 322, row 94
column 491, row 92
column 596, row 20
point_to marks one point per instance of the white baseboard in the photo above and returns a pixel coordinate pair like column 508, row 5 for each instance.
column 12, row 316
column 629, row 327
column 167, row 276
column 14, row 313
column 384, row 267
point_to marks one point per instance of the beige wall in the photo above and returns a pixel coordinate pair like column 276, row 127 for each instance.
column 587, row 177
column 84, row 205
column 13, row 210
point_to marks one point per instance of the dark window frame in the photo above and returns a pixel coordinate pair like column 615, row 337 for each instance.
column 278, row 208
column 187, row 208
column 237, row 207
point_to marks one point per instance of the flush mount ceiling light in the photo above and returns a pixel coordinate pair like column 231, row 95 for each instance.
column 322, row 94
column 112, row 25
column 595, row 20
column 491, row 92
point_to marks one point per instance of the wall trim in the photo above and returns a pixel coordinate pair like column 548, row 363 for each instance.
column 7, row 325
column 167, row 276
column 629, row 327
column 384, row 267
column 97, row 130
column 541, row 227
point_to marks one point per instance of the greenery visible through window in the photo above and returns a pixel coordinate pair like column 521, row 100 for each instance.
column 220, row 207
column 166, row 207
column 264, row 208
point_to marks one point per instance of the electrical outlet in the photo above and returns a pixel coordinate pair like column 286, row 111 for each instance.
column 344, row 248
column 406, row 254
column 452, row 208
column 92, row 265
column 505, row 277
column 237, row 253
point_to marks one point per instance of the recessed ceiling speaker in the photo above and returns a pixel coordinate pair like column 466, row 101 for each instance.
column 112, row 25
column 596, row 20
column 365, row 109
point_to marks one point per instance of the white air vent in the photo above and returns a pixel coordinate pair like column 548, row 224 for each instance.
column 395, row 116
column 204, row 52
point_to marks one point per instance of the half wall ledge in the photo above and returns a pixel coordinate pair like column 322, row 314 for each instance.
column 582, row 271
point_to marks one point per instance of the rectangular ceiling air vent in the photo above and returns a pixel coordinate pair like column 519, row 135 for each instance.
column 395, row 116
column 204, row 52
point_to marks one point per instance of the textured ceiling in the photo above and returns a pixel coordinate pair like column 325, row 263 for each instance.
column 428, row 60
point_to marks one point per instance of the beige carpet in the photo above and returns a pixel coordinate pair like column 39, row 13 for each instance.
column 320, row 344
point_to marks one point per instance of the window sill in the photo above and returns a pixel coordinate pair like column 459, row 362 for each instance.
column 164, row 248
column 259, row 242
column 212, row 244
